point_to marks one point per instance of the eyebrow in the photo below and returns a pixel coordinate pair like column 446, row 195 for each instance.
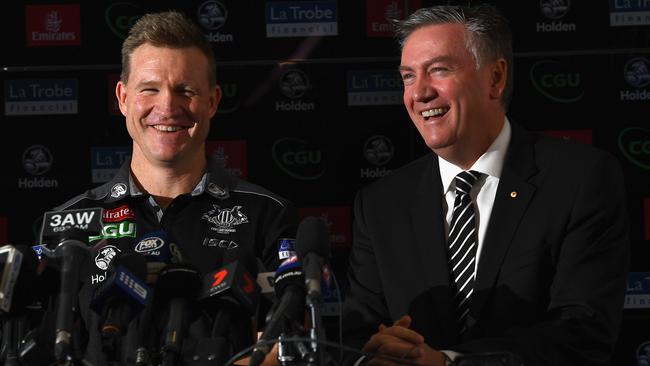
column 430, row 61
column 146, row 82
column 152, row 82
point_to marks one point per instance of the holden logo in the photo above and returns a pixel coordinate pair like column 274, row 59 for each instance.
column 634, row 143
column 149, row 244
column 294, row 83
column 637, row 72
column 121, row 16
column 37, row 160
column 643, row 353
column 212, row 15
column 378, row 150
column 556, row 81
column 554, row 9
column 299, row 159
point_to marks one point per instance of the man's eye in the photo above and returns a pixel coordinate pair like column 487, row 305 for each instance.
column 407, row 78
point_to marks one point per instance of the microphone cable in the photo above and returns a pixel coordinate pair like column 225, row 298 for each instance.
column 396, row 360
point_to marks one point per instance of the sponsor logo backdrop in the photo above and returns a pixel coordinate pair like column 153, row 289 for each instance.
column 312, row 105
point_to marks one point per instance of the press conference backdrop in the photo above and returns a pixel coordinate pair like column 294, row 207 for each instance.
column 312, row 104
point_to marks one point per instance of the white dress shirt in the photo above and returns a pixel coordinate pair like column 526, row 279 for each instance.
column 483, row 191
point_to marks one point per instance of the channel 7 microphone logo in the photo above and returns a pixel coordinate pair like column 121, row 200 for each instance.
column 224, row 278
column 219, row 277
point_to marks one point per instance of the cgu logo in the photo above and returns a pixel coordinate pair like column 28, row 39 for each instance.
column 121, row 16
column 131, row 284
column 229, row 98
column 117, row 230
column 556, row 81
column 299, row 159
column 634, row 143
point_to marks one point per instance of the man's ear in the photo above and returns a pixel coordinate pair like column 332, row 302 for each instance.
column 499, row 78
column 120, row 93
column 215, row 98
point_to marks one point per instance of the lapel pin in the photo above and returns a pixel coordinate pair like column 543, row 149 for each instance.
column 513, row 194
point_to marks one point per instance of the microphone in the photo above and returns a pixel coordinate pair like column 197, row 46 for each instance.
column 66, row 235
column 155, row 248
column 36, row 346
column 288, row 309
column 120, row 299
column 232, row 288
column 18, row 269
column 232, row 294
column 312, row 245
column 178, row 286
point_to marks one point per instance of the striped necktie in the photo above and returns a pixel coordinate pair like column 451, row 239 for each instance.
column 462, row 244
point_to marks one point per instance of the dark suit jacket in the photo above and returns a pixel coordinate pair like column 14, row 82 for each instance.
column 553, row 269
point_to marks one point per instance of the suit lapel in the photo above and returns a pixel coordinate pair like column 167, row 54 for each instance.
column 428, row 226
column 512, row 197
column 430, row 254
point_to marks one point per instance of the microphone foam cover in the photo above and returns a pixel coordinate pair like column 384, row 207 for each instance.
column 312, row 237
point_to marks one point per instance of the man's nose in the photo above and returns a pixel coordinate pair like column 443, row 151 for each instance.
column 423, row 90
column 168, row 102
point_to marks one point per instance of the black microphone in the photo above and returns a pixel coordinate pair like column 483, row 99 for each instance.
column 232, row 289
column 231, row 294
column 119, row 300
column 66, row 236
column 312, row 245
column 177, row 289
column 36, row 346
column 289, row 307
column 155, row 248
column 18, row 269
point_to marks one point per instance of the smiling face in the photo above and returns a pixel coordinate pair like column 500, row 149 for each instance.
column 454, row 105
column 168, row 104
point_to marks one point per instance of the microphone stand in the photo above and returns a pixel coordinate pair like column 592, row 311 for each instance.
column 12, row 331
column 316, row 331
column 285, row 356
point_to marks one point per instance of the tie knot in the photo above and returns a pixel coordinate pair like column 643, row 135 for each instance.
column 465, row 180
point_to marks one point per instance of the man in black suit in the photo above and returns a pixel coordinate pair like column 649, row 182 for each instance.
column 545, row 253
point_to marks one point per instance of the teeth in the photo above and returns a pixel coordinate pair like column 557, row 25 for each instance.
column 167, row 128
column 434, row 112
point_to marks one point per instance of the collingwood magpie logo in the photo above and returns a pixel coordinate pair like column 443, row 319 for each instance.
column 105, row 256
column 118, row 190
column 224, row 220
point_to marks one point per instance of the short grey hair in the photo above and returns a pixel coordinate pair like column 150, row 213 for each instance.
column 489, row 34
